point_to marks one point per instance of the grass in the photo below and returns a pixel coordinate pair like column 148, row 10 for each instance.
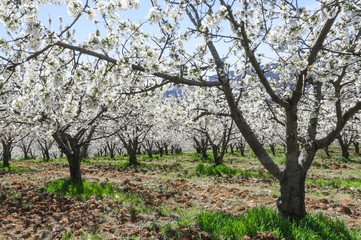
column 146, row 157
column 85, row 236
column 335, row 183
column 215, row 169
column 347, row 160
column 259, row 220
column 13, row 168
column 223, row 170
column 127, row 164
column 68, row 187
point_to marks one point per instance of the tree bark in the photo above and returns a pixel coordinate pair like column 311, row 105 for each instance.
column 218, row 159
column 6, row 152
column 242, row 147
column 132, row 147
column 74, row 167
column 291, row 203
column 74, row 148
column 132, row 157
column 327, row 151
column 272, row 146
column 344, row 147
column 357, row 147
column 231, row 148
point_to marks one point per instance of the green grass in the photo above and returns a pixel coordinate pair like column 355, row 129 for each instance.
column 259, row 220
column 223, row 170
column 127, row 164
column 279, row 159
column 83, row 191
column 335, row 183
column 347, row 160
column 146, row 157
column 215, row 169
column 13, row 168
column 85, row 236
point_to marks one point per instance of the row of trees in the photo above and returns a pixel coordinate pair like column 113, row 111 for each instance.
column 112, row 81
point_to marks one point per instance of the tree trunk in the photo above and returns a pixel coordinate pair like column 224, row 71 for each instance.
column 204, row 153
column 46, row 154
column 74, row 167
column 150, row 154
column 166, row 149
column 291, row 203
column 344, row 148
column 357, row 147
column 132, row 157
column 6, row 152
column 218, row 159
column 160, row 151
column 242, row 147
column 198, row 149
column 231, row 148
column 74, row 151
column 272, row 146
column 327, row 151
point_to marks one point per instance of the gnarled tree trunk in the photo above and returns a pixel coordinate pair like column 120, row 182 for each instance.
column 74, row 148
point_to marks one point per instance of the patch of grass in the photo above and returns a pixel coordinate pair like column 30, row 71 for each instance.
column 347, row 160
column 85, row 236
column 215, row 169
column 13, row 168
column 259, row 220
column 335, row 183
column 281, row 159
column 224, row 170
column 83, row 191
column 127, row 164
column 146, row 157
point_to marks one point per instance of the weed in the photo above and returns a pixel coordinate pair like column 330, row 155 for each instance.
column 335, row 183
column 347, row 160
column 128, row 164
column 259, row 220
column 83, row 191
column 215, row 169
column 281, row 159
column 224, row 170
column 13, row 168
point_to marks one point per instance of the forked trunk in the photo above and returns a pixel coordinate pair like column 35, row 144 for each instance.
column 291, row 203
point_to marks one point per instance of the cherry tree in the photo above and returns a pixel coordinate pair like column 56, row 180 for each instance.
column 315, row 54
column 130, row 120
